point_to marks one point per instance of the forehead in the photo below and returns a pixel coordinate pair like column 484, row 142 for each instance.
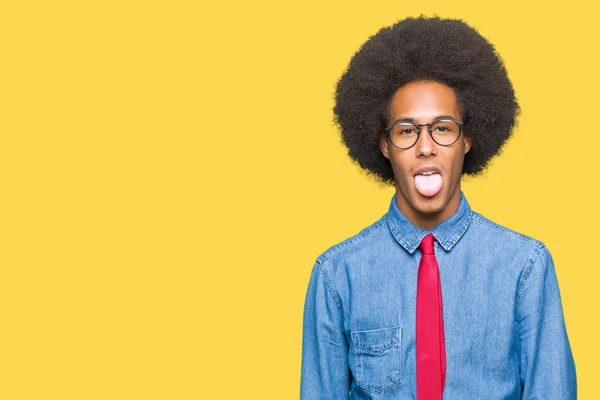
column 423, row 101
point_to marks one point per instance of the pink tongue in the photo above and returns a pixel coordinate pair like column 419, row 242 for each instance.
column 428, row 185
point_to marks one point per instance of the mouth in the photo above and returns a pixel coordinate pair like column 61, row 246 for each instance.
column 427, row 171
column 428, row 181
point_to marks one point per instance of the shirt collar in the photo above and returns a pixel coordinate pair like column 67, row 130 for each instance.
column 447, row 232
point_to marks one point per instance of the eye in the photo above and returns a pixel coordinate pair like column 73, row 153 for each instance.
column 444, row 127
column 404, row 130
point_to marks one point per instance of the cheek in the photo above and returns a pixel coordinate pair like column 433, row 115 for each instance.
column 398, row 162
column 400, row 168
column 458, row 161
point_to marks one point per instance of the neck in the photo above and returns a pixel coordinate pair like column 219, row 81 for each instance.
column 428, row 216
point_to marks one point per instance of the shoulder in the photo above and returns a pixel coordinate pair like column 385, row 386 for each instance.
column 532, row 255
column 489, row 228
column 356, row 244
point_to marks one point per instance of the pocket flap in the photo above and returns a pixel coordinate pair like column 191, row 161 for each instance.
column 376, row 341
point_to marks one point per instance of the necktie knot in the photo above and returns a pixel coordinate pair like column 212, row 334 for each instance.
column 426, row 245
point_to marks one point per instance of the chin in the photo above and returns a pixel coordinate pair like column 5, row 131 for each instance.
column 430, row 205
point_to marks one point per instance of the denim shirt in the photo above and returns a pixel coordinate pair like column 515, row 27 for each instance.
column 505, row 335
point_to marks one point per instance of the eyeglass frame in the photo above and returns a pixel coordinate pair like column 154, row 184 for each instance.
column 400, row 121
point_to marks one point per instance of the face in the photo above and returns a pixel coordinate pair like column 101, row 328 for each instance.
column 426, row 200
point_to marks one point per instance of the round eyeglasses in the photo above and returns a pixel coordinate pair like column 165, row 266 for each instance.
column 444, row 131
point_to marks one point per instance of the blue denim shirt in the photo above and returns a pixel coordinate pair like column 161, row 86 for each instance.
column 504, row 329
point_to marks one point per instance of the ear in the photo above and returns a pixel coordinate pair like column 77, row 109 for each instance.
column 468, row 142
column 384, row 146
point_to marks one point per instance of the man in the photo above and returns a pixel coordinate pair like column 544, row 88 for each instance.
column 433, row 300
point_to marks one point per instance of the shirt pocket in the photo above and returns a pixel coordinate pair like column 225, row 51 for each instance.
column 377, row 358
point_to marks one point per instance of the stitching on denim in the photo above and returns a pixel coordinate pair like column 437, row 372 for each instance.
column 330, row 289
column 526, row 274
column 538, row 247
column 380, row 329
column 350, row 241
column 464, row 228
column 460, row 232
column 412, row 245
column 390, row 345
column 358, row 358
column 484, row 221
column 382, row 389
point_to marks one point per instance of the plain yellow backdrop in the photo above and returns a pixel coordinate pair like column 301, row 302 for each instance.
column 170, row 172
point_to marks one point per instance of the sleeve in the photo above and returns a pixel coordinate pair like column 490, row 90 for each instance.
column 325, row 373
column 547, row 366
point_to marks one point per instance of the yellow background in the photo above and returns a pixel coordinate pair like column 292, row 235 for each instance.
column 170, row 172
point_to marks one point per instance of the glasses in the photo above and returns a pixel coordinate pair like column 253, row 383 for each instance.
column 444, row 131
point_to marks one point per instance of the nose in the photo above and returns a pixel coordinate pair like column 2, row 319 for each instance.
column 425, row 145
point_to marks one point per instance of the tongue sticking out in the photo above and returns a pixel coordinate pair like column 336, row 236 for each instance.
column 428, row 185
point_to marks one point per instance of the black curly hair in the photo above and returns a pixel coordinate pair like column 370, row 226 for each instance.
column 447, row 51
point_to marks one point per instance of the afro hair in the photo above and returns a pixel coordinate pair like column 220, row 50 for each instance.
column 447, row 51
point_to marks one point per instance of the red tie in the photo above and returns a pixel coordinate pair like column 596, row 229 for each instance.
column 431, row 352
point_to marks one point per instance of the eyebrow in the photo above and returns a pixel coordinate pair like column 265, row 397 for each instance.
column 412, row 120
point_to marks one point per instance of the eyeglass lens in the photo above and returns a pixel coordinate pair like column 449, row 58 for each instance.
column 405, row 134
